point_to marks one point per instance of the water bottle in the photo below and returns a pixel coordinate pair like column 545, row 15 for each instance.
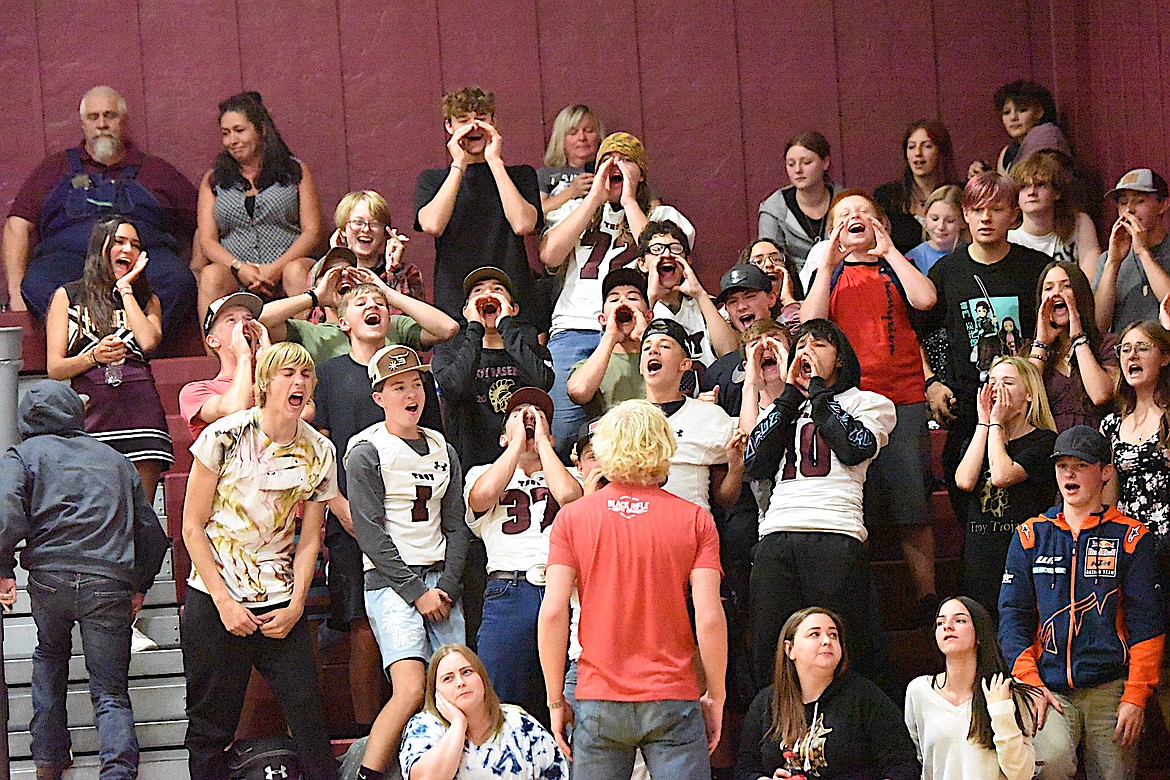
column 114, row 373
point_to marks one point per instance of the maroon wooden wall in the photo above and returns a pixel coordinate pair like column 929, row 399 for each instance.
column 713, row 88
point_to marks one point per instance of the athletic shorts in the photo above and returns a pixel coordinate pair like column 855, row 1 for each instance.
column 896, row 481
column 402, row 632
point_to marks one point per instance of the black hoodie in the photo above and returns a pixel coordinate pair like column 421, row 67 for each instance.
column 864, row 735
column 77, row 502
column 849, row 439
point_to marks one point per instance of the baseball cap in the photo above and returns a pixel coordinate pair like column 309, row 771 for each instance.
column 337, row 256
column 743, row 277
column 623, row 277
column 392, row 361
column 663, row 327
column 585, row 434
column 534, row 396
column 248, row 300
column 487, row 272
column 1139, row 180
column 1083, row 443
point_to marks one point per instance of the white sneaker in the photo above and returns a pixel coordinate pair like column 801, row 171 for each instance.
column 140, row 642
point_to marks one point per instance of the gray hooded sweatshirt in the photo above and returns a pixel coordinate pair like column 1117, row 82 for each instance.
column 77, row 502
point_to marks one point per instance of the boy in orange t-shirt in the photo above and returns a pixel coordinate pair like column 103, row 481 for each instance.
column 633, row 550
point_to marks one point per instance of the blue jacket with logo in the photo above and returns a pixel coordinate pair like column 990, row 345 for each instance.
column 1076, row 611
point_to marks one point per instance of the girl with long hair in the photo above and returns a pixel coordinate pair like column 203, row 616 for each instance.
column 1007, row 465
column 1075, row 359
column 929, row 158
column 465, row 733
column 1052, row 222
column 259, row 213
column 99, row 331
column 973, row 721
column 797, row 216
column 944, row 230
column 819, row 718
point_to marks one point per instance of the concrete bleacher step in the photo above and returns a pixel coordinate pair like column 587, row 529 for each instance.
column 150, row 664
column 159, row 734
column 168, row 764
column 152, row 701
column 20, row 634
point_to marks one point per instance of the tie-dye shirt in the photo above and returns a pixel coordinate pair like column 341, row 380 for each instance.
column 252, row 528
column 523, row 750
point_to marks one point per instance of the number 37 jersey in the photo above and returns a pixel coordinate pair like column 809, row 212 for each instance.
column 597, row 253
column 813, row 490
column 515, row 530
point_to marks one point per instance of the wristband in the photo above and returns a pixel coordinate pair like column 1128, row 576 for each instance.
column 1079, row 340
column 91, row 357
column 458, row 167
column 930, row 380
column 556, row 705
column 1040, row 345
column 313, row 295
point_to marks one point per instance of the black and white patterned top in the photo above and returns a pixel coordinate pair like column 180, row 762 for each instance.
column 1143, row 478
column 266, row 233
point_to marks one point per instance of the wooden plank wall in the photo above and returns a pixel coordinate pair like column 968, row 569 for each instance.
column 713, row 88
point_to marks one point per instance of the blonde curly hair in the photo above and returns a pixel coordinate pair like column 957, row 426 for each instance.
column 634, row 443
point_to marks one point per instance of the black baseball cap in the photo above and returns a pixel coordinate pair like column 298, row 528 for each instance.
column 743, row 277
column 585, row 435
column 664, row 327
column 1083, row 443
column 624, row 277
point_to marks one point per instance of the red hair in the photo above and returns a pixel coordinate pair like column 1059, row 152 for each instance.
column 988, row 188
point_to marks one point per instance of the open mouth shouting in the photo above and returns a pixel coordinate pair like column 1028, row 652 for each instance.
column 856, row 226
column 373, row 318
column 768, row 359
column 488, row 308
column 746, row 319
column 653, row 366
column 296, row 400
column 414, row 408
column 667, row 268
column 1070, row 489
column 121, row 264
column 1135, row 370
column 624, row 315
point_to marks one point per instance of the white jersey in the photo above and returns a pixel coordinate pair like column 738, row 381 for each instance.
column 415, row 485
column 813, row 490
column 1050, row 244
column 597, row 253
column 515, row 529
column 690, row 316
column 702, row 431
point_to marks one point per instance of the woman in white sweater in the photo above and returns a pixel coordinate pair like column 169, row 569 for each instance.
column 972, row 722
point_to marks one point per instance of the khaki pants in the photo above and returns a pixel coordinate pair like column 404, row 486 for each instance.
column 1089, row 714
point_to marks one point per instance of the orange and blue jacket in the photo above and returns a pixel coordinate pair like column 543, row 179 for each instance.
column 1080, row 610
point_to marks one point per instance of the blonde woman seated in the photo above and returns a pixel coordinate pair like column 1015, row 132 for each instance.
column 465, row 733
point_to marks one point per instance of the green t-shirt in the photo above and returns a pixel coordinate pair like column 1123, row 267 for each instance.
column 327, row 340
column 622, row 381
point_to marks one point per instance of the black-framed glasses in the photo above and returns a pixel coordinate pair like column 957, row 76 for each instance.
column 660, row 249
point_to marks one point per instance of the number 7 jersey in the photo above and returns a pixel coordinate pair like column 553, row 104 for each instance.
column 515, row 529
column 598, row 252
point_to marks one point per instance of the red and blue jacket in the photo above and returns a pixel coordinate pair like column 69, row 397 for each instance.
column 1079, row 610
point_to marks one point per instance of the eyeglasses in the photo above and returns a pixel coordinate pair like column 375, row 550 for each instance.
column 362, row 224
column 660, row 249
column 1141, row 347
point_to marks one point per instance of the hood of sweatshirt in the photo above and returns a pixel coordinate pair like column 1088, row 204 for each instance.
column 849, row 373
column 51, row 407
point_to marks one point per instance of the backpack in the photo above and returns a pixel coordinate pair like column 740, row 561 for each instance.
column 267, row 758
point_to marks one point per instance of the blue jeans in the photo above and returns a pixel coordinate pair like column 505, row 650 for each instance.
column 102, row 606
column 567, row 347
column 507, row 637
column 671, row 734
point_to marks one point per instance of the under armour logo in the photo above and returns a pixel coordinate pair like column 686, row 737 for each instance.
column 270, row 772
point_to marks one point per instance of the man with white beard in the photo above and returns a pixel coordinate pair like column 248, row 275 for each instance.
column 48, row 227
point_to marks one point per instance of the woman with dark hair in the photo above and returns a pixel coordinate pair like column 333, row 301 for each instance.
column 930, row 161
column 1028, row 112
column 100, row 330
column 796, row 216
column 973, row 721
column 465, row 733
column 1076, row 360
column 1052, row 223
column 774, row 260
column 819, row 717
column 259, row 214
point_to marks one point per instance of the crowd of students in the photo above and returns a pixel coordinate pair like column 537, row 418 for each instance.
column 605, row 466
